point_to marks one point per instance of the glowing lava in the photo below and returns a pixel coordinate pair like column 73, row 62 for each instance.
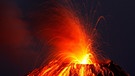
column 72, row 53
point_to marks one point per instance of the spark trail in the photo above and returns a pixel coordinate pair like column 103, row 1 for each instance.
column 73, row 53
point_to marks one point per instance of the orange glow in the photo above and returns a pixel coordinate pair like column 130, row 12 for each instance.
column 72, row 47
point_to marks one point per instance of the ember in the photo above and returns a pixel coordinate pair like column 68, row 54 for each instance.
column 73, row 53
column 103, row 69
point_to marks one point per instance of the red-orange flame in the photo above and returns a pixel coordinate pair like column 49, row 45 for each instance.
column 63, row 30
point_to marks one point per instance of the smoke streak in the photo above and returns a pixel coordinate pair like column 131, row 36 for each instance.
column 16, row 55
column 67, row 34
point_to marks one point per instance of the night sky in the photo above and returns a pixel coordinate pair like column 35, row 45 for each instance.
column 118, row 35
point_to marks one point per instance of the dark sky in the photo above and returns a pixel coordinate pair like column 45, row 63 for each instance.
column 120, row 33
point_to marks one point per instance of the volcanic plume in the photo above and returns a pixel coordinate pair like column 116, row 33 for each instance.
column 71, row 46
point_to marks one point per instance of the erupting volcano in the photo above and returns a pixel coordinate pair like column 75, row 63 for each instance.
column 72, row 45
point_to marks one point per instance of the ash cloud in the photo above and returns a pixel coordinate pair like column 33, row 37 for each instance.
column 18, row 50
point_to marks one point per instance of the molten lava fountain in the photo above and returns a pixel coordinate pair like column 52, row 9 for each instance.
column 72, row 50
